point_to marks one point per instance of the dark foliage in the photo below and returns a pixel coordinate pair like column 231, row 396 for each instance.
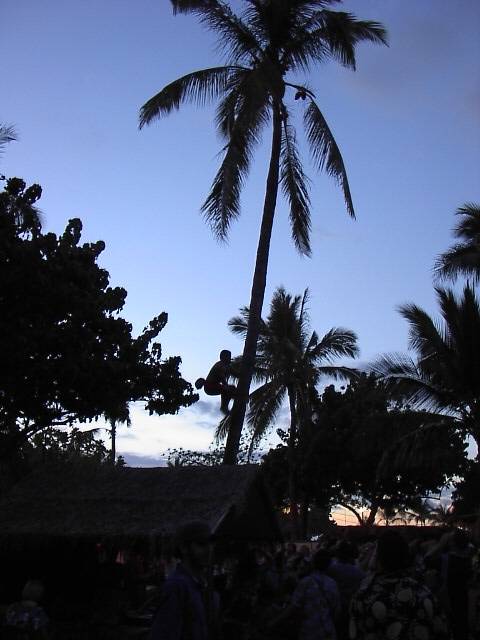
column 342, row 452
column 65, row 353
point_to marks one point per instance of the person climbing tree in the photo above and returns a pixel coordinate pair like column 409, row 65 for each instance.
column 216, row 382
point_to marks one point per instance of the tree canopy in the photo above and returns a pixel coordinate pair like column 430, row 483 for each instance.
column 340, row 454
column 66, row 354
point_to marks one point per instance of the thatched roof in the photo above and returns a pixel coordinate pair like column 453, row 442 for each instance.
column 91, row 500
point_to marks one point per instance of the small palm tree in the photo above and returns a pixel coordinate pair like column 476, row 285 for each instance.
column 463, row 259
column 268, row 42
column 119, row 415
column 290, row 362
column 445, row 377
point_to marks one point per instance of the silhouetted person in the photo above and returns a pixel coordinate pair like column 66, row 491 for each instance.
column 455, row 555
column 216, row 382
column 348, row 577
column 315, row 603
column 186, row 612
column 28, row 617
column 392, row 604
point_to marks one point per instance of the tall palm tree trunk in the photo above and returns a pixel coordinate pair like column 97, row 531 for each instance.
column 257, row 295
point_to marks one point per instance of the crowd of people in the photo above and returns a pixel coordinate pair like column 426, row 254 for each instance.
column 381, row 587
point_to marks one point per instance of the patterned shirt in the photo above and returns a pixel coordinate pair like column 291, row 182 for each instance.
column 27, row 616
column 319, row 601
column 394, row 606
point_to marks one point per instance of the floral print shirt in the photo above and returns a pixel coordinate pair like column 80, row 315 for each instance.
column 395, row 606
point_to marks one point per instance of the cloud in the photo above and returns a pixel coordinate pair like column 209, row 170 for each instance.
column 149, row 437
column 206, row 408
column 134, row 460
column 205, row 424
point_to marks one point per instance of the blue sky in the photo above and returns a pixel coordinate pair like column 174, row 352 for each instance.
column 74, row 77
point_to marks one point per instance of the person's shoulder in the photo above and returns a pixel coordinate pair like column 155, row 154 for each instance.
column 328, row 581
column 330, row 584
column 178, row 581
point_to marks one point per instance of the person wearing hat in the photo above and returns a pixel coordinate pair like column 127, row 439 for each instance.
column 185, row 609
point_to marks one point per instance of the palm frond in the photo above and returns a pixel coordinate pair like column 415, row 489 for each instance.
column 425, row 336
column 463, row 258
column 335, row 343
column 235, row 36
column 338, row 373
column 294, row 185
column 199, row 87
column 461, row 364
column 222, row 429
column 7, row 134
column 403, row 377
column 325, row 151
column 264, row 404
column 459, row 260
column 185, row 6
column 342, row 31
column 239, row 324
column 228, row 106
column 325, row 34
column 394, row 365
column 304, row 317
column 469, row 226
column 222, row 205
column 416, row 449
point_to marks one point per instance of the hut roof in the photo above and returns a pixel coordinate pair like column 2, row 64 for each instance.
column 93, row 500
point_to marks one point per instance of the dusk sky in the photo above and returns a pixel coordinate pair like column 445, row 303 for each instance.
column 74, row 76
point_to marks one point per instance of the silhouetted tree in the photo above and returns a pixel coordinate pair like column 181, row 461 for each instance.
column 340, row 453
column 291, row 360
column 264, row 45
column 463, row 259
column 65, row 353
column 445, row 377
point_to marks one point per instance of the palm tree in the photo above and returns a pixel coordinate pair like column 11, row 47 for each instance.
column 269, row 40
column 445, row 377
column 463, row 259
column 290, row 362
column 119, row 415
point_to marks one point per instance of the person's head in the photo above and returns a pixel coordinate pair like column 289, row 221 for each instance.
column 193, row 541
column 346, row 552
column 392, row 552
column 460, row 540
column 321, row 560
column 225, row 356
column 33, row 590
